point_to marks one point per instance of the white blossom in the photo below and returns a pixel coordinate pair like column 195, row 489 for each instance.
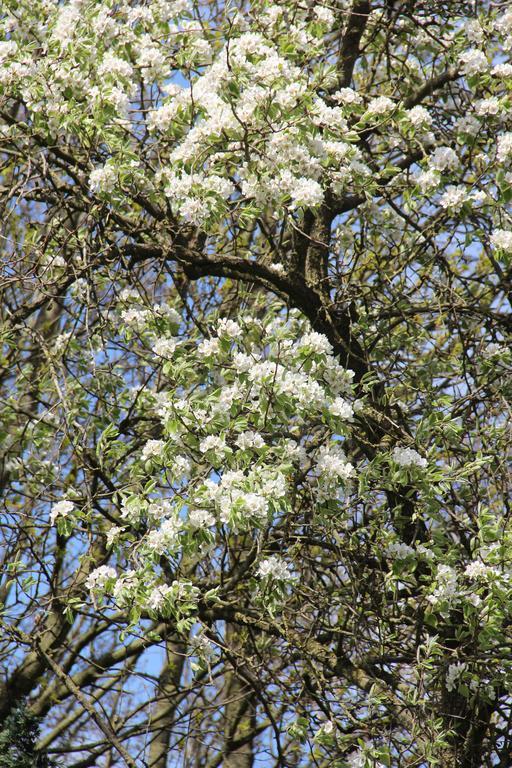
column 249, row 439
column 323, row 14
column 468, row 124
column 504, row 147
column 444, row 158
column 152, row 448
column 474, row 31
column 166, row 538
column 490, row 106
column 164, row 347
column 408, row 457
column 115, row 67
column 347, row 96
column 454, row 673
column 332, row 463
column 229, row 328
column 242, row 362
column 380, row 106
column 316, row 343
column 7, row 48
column 454, row 197
column 158, row 596
column 447, row 585
column 502, row 70
column 479, row 570
column 419, row 117
column 67, row 21
column 113, row 534
column 342, row 409
column 399, row 550
column 502, row 239
column 201, row 518
column 213, row 443
column 103, row 179
column 273, row 567
column 61, row 342
column 209, row 348
column 473, row 62
column 428, row 180
column 61, row 509
column 98, row 578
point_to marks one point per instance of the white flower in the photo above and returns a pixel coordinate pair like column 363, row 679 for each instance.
column 164, row 347
column 113, row 533
column 273, row 567
column 7, row 48
column 408, row 457
column 152, row 448
column 135, row 317
column 229, row 328
column 129, row 294
column 502, row 70
column 181, row 466
column 103, row 179
column 249, row 439
column 305, row 192
column 447, row 585
column 502, row 239
column 115, row 67
column 278, row 269
column 478, row 570
column 419, row 117
column 473, row 61
column 428, row 180
column 422, row 550
column 503, row 24
column 489, row 106
column 170, row 314
column 347, row 96
column 157, row 597
column 98, row 578
column 342, row 409
column 274, row 487
column 380, row 106
column 468, row 124
column 61, row 342
column 66, row 24
column 242, row 362
column 209, row 348
column 474, row 31
column 315, row 342
column 213, row 443
column 150, row 58
column 165, row 539
column 504, row 148
column 323, row 14
column 453, row 197
column 399, row 550
column 201, row 518
column 332, row 463
column 256, row 505
column 455, row 671
column 444, row 158
column 159, row 510
column 61, row 509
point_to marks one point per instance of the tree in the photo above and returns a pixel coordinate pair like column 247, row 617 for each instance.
column 18, row 741
column 256, row 381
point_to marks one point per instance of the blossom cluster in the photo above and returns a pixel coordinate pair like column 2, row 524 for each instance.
column 243, row 410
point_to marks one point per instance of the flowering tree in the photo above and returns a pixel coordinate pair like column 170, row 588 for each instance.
column 255, row 393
